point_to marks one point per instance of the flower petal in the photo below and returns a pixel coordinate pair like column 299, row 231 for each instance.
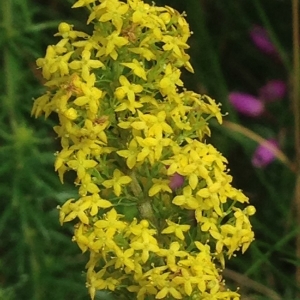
column 261, row 40
column 273, row 90
column 246, row 104
column 263, row 156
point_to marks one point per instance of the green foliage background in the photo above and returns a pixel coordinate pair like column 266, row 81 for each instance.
column 37, row 258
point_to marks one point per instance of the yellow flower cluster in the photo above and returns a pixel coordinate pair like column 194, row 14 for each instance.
column 155, row 208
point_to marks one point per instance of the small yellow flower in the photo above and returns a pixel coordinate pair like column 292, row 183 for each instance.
column 62, row 158
column 124, row 258
column 175, row 228
column 130, row 154
column 156, row 125
column 91, row 95
column 112, row 41
column 187, row 280
column 127, row 89
column 158, row 186
column 117, row 181
column 171, row 78
column 81, row 164
column 81, row 3
column 171, row 254
column 85, row 64
column 54, row 62
column 95, row 202
column 87, row 186
column 76, row 210
column 114, row 13
column 147, row 245
column 137, row 69
column 187, row 200
column 169, row 288
column 175, row 44
column 111, row 222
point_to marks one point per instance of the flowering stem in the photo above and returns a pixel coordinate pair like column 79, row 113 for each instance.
column 257, row 138
column 144, row 206
column 133, row 123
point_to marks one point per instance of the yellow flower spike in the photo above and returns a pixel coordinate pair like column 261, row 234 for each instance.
column 127, row 123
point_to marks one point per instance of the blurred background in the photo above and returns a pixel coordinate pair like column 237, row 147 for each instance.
column 242, row 53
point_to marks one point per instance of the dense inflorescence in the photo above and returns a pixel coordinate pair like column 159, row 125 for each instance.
column 155, row 207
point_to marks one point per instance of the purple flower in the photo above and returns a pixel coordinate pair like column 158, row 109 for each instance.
column 260, row 38
column 176, row 182
column 273, row 90
column 246, row 104
column 263, row 155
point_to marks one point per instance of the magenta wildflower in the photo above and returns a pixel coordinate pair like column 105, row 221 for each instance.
column 176, row 182
column 272, row 91
column 264, row 155
column 246, row 104
column 261, row 39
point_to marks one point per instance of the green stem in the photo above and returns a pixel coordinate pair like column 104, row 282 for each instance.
column 274, row 39
column 296, row 104
column 144, row 205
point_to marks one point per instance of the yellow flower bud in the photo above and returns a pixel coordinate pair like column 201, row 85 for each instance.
column 71, row 114
column 120, row 93
column 64, row 28
column 250, row 210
